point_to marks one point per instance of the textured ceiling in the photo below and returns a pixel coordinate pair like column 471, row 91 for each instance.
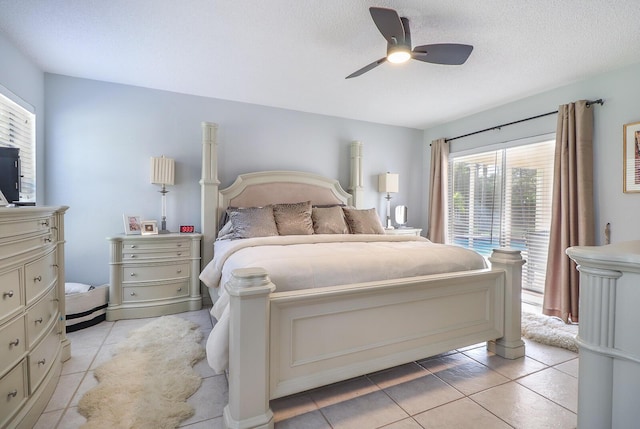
column 295, row 54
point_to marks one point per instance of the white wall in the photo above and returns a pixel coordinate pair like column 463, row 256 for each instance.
column 100, row 137
column 621, row 92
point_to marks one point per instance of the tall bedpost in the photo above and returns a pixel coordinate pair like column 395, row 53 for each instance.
column 355, row 187
column 248, row 407
column 510, row 261
column 208, row 194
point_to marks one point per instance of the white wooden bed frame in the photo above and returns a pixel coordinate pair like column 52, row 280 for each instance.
column 287, row 342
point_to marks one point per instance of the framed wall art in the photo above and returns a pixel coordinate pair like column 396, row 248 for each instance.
column 631, row 156
column 132, row 224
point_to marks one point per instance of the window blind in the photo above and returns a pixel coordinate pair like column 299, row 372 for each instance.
column 17, row 129
column 502, row 198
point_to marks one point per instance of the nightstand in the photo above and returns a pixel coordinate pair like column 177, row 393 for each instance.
column 403, row 231
column 153, row 275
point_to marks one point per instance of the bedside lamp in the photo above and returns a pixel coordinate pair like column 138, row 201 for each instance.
column 163, row 173
column 388, row 183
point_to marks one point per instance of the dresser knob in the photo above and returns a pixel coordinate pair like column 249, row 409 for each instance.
column 45, row 223
column 8, row 294
column 179, row 253
column 42, row 362
column 179, row 271
column 179, row 244
column 132, row 274
column 47, row 240
column 15, row 342
column 133, row 246
column 12, row 394
column 133, row 256
column 132, row 294
column 38, row 321
column 179, row 289
column 37, row 279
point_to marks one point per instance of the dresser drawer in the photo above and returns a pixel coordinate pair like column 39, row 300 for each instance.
column 40, row 316
column 15, row 227
column 145, row 273
column 39, row 276
column 41, row 359
column 13, row 392
column 156, row 292
column 11, row 296
column 13, row 343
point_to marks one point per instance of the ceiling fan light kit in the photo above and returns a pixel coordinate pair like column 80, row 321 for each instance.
column 398, row 35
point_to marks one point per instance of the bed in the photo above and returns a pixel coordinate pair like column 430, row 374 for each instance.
column 293, row 330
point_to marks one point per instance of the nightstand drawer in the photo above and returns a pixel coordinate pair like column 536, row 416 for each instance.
column 147, row 255
column 155, row 245
column 40, row 316
column 13, row 342
column 13, row 391
column 10, row 293
column 41, row 359
column 149, row 273
column 158, row 292
column 39, row 276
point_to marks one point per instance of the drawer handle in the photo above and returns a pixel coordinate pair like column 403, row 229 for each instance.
column 47, row 240
column 179, row 271
column 179, row 253
column 8, row 294
column 38, row 321
column 132, row 274
column 14, row 343
column 12, row 394
column 42, row 362
column 45, row 223
column 37, row 279
column 134, row 256
column 132, row 294
column 133, row 246
column 179, row 289
column 179, row 244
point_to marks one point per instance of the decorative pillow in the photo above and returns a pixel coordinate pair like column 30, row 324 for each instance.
column 253, row 222
column 226, row 232
column 363, row 221
column 329, row 220
column 293, row 219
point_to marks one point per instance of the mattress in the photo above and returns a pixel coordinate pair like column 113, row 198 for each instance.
column 84, row 309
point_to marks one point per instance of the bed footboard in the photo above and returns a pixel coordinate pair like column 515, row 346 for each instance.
column 288, row 342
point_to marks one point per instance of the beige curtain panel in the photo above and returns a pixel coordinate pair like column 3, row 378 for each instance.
column 438, row 191
column 572, row 220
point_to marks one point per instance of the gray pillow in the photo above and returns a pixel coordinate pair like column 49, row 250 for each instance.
column 253, row 222
column 226, row 232
column 363, row 221
column 293, row 219
column 329, row 220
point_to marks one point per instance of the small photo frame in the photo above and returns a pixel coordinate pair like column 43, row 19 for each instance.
column 132, row 224
column 631, row 154
column 149, row 227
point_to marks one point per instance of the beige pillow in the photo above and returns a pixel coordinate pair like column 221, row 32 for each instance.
column 363, row 221
column 253, row 222
column 293, row 219
column 329, row 220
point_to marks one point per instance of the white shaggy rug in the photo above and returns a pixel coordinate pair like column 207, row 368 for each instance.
column 147, row 382
column 549, row 330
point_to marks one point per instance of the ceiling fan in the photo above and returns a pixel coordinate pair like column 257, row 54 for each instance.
column 396, row 31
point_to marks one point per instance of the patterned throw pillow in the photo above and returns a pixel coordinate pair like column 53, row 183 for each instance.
column 293, row 219
column 363, row 221
column 253, row 222
column 329, row 220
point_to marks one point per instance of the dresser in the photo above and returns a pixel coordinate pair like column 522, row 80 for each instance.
column 403, row 231
column 154, row 275
column 33, row 343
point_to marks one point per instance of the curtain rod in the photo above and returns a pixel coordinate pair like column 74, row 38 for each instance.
column 599, row 101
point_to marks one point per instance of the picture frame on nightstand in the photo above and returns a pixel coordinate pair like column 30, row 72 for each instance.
column 149, row 227
column 132, row 224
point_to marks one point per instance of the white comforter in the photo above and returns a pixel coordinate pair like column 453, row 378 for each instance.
column 312, row 261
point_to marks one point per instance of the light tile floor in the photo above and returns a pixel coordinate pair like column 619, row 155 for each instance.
column 466, row 388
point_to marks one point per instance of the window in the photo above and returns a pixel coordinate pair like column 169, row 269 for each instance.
column 17, row 130
column 502, row 198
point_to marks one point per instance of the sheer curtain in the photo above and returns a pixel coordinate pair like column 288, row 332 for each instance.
column 438, row 191
column 572, row 221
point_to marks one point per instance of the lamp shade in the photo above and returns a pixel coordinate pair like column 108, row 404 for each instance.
column 162, row 170
column 388, row 182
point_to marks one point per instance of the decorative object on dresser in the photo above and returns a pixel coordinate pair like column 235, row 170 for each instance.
column 147, row 382
column 163, row 173
column 154, row 275
column 132, row 224
column 401, row 216
column 149, row 227
column 32, row 308
column 388, row 183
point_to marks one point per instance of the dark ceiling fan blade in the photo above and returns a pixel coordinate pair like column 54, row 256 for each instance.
column 442, row 53
column 367, row 68
column 389, row 24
